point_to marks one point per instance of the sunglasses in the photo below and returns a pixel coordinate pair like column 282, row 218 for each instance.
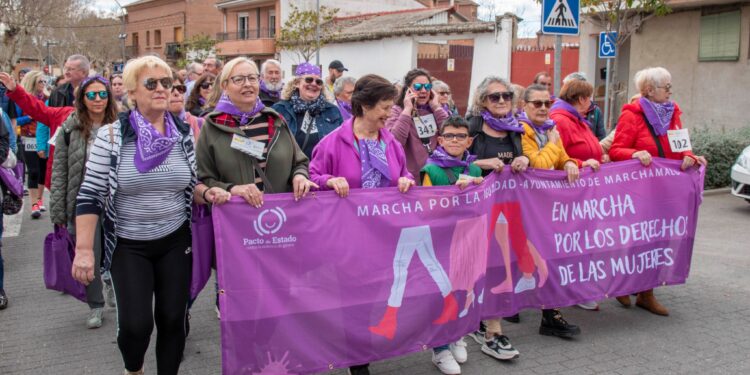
column 420, row 86
column 452, row 136
column 150, row 84
column 539, row 103
column 495, row 97
column 180, row 88
column 206, row 85
column 91, row 95
column 317, row 81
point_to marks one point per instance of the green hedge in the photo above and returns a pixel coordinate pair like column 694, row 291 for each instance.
column 721, row 148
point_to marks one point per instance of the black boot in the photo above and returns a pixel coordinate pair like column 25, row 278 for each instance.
column 553, row 324
column 360, row 369
column 513, row 318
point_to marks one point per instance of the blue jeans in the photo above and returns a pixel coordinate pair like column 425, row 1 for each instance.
column 439, row 349
column 2, row 270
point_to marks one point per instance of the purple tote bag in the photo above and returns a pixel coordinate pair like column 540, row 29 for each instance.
column 59, row 250
column 203, row 249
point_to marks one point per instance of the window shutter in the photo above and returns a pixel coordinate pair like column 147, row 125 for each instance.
column 720, row 37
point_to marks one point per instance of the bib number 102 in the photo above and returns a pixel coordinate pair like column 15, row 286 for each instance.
column 679, row 140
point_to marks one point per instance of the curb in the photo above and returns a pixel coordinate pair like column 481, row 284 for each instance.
column 719, row 191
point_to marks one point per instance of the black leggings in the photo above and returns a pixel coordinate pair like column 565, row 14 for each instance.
column 159, row 269
column 37, row 168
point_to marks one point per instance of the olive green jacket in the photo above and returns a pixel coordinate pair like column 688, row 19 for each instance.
column 219, row 165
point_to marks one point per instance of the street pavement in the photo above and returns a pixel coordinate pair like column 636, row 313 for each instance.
column 708, row 331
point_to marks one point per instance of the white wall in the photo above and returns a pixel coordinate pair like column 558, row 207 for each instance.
column 351, row 7
column 492, row 54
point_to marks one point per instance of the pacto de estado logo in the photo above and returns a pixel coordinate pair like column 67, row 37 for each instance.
column 269, row 221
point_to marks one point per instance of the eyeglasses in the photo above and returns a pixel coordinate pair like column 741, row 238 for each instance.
column 539, row 103
column 180, row 88
column 206, row 85
column 548, row 84
column 667, row 87
column 452, row 136
column 240, row 80
column 91, row 95
column 317, row 81
column 150, row 84
column 496, row 96
column 444, row 93
column 420, row 86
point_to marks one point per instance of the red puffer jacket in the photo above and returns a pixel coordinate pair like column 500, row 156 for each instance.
column 577, row 138
column 632, row 135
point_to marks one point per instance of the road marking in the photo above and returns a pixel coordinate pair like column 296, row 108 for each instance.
column 12, row 224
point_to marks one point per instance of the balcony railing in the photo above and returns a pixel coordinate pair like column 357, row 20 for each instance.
column 247, row 35
column 173, row 51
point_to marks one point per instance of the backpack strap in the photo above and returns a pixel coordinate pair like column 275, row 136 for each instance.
column 653, row 135
column 451, row 176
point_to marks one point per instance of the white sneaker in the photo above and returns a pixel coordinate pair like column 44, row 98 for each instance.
column 458, row 349
column 109, row 295
column 592, row 306
column 446, row 363
column 95, row 318
column 525, row 284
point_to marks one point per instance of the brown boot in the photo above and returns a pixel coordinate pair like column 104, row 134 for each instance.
column 624, row 300
column 646, row 300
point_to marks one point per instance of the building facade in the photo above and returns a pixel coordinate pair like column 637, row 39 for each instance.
column 249, row 28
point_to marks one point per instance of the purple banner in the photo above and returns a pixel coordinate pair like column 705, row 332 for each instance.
column 330, row 282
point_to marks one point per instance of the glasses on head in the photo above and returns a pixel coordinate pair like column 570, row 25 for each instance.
column 240, row 80
column 444, row 93
column 496, row 96
column 180, row 88
column 420, row 86
column 539, row 103
column 667, row 87
column 206, row 85
column 151, row 83
column 317, row 81
column 91, row 95
column 452, row 136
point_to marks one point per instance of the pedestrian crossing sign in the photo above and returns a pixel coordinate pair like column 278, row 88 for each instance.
column 560, row 17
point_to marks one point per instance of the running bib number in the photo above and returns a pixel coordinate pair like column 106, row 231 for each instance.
column 426, row 126
column 29, row 144
column 679, row 140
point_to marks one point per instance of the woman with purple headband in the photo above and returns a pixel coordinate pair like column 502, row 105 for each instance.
column 76, row 129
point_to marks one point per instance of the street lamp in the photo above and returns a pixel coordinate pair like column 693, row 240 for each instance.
column 49, row 61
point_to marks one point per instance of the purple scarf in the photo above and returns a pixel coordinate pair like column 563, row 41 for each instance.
column 565, row 106
column 442, row 159
column 547, row 125
column 345, row 109
column 201, row 101
column 152, row 148
column 508, row 123
column 423, row 108
column 659, row 115
column 226, row 106
column 375, row 172
column 271, row 93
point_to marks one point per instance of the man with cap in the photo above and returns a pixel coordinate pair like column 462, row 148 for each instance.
column 335, row 71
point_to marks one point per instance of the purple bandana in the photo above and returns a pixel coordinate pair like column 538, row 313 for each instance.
column 446, row 108
column 547, row 125
column 508, row 123
column 306, row 68
column 152, row 148
column 271, row 93
column 97, row 78
column 424, row 108
column 659, row 115
column 226, row 106
column 375, row 172
column 565, row 106
column 442, row 159
column 345, row 109
column 201, row 101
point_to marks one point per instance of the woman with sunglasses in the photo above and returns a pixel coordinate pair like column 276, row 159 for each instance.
column 416, row 118
column 140, row 181
column 443, row 92
column 34, row 155
column 307, row 109
column 77, row 130
column 198, row 98
column 177, row 107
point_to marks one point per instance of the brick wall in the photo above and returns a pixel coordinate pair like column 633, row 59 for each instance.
column 526, row 64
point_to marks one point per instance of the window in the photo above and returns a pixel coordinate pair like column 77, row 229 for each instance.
column 179, row 36
column 157, row 37
column 271, row 23
column 135, row 39
column 720, row 37
column 148, row 38
column 242, row 23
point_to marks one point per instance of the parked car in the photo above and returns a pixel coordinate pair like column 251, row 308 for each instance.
column 741, row 175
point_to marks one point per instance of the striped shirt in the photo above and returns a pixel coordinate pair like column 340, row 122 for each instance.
column 258, row 130
column 151, row 205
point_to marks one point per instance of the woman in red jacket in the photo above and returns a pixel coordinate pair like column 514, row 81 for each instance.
column 640, row 125
column 569, row 113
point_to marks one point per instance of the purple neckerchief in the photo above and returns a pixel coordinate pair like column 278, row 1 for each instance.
column 659, row 115
column 345, row 109
column 182, row 115
column 226, row 106
column 375, row 172
column 201, row 101
column 547, row 125
column 508, row 123
column 446, row 108
column 40, row 96
column 152, row 148
column 96, row 77
column 565, row 106
column 424, row 108
column 271, row 93
column 442, row 159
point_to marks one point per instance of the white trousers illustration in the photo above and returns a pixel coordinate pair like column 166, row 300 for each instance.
column 419, row 240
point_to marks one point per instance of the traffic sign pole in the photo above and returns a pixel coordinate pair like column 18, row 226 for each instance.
column 606, row 96
column 558, row 64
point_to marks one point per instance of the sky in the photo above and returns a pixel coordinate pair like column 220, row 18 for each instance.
column 529, row 10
